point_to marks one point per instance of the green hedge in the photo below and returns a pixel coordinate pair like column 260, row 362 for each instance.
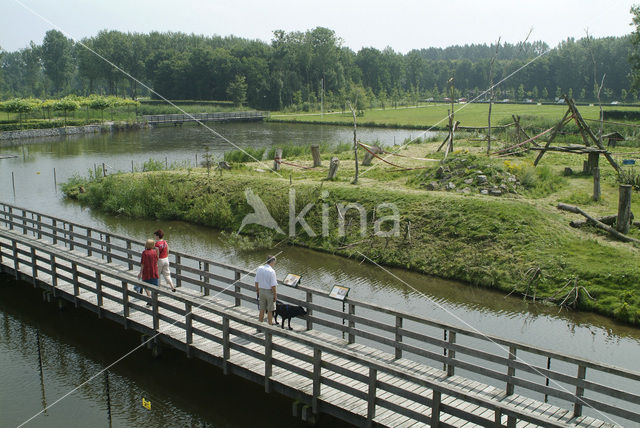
column 41, row 124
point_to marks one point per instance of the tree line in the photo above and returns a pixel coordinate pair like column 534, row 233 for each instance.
column 302, row 70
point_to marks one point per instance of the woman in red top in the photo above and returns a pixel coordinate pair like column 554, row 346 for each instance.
column 163, row 258
column 149, row 266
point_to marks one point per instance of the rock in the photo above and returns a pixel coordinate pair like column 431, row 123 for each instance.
column 503, row 186
column 495, row 192
column 468, row 181
column 466, row 190
column 440, row 172
column 433, row 185
column 512, row 179
column 481, row 179
column 450, row 186
column 484, row 192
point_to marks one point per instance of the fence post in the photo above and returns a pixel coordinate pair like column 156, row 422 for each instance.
column 11, row 219
column 577, row 406
column 24, row 222
column 54, row 230
column 511, row 371
column 309, row 300
column 452, row 354
column 178, row 270
column 371, row 402
column 317, row 373
column 226, row 350
column 39, row 227
column 89, row 247
column 268, row 366
column 398, row 337
column 237, row 288
column 352, row 323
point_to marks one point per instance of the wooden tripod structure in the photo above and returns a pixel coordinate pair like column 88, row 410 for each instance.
column 592, row 144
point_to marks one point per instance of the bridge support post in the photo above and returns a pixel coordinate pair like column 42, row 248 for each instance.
column 34, row 267
column 54, row 273
column 268, row 364
column 178, row 271
column 54, row 231
column 76, row 288
column 70, row 237
column 398, row 337
column 129, row 255
column 99, row 293
column 206, row 279
column 154, row 303
column 452, row 354
column 125, row 304
column 89, row 246
column 16, row 263
column 107, row 240
column 352, row 323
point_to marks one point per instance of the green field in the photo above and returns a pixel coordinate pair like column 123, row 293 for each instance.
column 473, row 115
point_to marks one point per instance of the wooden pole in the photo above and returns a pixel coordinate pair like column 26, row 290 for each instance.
column 333, row 168
column 104, row 170
column 277, row 159
column 13, row 184
column 596, row 184
column 624, row 209
column 55, row 180
column 597, row 223
column 315, row 153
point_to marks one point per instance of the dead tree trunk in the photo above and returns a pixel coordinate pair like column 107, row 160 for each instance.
column 368, row 156
column 624, row 209
column 315, row 153
column 597, row 223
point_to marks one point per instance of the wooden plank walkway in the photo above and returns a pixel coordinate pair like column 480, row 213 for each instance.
column 355, row 382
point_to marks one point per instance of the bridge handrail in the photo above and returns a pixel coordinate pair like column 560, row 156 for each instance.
column 319, row 347
column 450, row 359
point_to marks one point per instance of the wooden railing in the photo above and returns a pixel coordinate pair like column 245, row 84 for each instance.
column 515, row 367
column 204, row 117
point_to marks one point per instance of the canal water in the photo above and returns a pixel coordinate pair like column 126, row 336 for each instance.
column 584, row 335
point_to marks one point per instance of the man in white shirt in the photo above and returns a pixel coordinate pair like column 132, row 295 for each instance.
column 266, row 289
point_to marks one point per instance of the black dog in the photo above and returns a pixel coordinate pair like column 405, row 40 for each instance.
column 287, row 312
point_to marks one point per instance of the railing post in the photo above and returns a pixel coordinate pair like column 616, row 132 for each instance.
column 129, row 255
column 99, row 289
column 309, row 300
column 206, row 278
column 351, row 338
column 76, row 288
column 511, row 371
column 435, row 409
column 237, row 288
column 268, row 366
column 178, row 270
column 577, row 406
column 188, row 329
column 89, row 250
column 226, row 349
column 54, row 230
column 398, row 337
column 24, row 222
column 371, row 402
column 16, row 263
column 107, row 240
column 70, row 237
column 54, row 273
column 125, row 302
column 452, row 354
column 10, row 218
column 39, row 227
column 34, row 267
column 156, row 319
column 317, row 377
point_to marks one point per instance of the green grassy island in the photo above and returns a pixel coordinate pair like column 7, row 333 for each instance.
column 486, row 221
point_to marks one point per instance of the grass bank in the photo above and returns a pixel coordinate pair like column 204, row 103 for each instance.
column 452, row 231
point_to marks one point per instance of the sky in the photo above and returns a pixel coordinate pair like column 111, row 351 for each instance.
column 402, row 24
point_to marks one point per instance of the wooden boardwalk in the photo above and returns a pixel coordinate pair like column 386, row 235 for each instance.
column 363, row 383
column 179, row 119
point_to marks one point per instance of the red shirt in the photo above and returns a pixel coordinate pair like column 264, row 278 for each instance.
column 149, row 264
column 164, row 248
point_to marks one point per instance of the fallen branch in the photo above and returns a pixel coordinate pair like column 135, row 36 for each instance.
column 597, row 223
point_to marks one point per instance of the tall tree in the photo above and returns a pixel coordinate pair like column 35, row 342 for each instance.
column 57, row 59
